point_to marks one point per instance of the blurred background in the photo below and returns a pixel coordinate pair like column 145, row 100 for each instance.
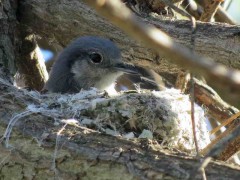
column 233, row 9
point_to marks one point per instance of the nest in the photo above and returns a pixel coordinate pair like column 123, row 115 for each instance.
column 164, row 116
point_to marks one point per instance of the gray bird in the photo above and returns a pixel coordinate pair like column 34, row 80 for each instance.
column 87, row 62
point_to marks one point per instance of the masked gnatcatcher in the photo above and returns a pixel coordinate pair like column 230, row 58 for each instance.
column 87, row 62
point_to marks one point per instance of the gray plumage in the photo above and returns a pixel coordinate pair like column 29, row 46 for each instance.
column 87, row 62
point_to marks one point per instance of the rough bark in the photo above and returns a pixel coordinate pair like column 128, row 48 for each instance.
column 8, row 33
column 32, row 152
column 41, row 148
column 52, row 20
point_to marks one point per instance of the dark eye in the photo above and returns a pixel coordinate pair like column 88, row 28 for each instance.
column 96, row 57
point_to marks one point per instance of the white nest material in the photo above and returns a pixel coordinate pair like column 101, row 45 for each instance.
column 161, row 115
column 178, row 125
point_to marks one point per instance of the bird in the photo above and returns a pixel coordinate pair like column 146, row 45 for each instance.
column 89, row 61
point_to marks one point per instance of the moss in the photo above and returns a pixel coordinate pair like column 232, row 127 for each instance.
column 12, row 172
column 95, row 170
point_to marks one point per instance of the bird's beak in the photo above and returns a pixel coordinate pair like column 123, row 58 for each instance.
column 126, row 68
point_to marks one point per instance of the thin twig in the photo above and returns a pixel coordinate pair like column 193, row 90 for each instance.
column 210, row 9
column 221, row 14
column 193, row 113
column 225, row 145
column 11, row 124
column 228, row 121
column 121, row 16
column 201, row 168
column 192, row 94
column 217, row 108
column 178, row 10
column 228, row 5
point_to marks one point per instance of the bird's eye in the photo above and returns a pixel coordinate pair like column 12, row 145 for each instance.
column 96, row 57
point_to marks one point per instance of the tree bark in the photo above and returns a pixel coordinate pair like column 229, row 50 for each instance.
column 8, row 34
column 61, row 22
column 43, row 148
column 36, row 145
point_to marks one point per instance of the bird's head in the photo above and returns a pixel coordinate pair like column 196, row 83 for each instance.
column 93, row 62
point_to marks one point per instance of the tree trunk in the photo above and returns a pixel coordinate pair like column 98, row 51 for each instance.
column 40, row 138
column 8, row 35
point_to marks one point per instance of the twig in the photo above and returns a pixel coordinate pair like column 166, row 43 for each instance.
column 153, row 37
column 192, row 114
column 222, row 16
column 192, row 91
column 11, row 124
column 201, row 169
column 228, row 121
column 192, row 8
column 217, row 108
column 192, row 94
column 225, row 145
column 228, row 5
column 210, row 8
column 178, row 10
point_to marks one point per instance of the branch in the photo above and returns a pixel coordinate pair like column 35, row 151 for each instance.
column 222, row 16
column 226, row 144
column 217, row 109
column 59, row 23
column 210, row 8
column 34, row 152
column 122, row 17
column 225, row 123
